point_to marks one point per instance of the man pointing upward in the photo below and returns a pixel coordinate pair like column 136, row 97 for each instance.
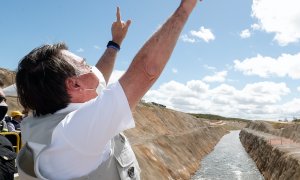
column 63, row 93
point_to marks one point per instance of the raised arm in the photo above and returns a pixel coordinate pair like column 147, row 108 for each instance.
column 107, row 61
column 149, row 62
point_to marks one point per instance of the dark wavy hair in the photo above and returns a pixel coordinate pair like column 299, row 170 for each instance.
column 40, row 79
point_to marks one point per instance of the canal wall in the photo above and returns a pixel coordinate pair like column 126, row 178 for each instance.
column 275, row 156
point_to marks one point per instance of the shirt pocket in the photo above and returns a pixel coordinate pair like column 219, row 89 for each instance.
column 127, row 164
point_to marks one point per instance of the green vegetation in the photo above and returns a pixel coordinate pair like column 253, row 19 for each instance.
column 217, row 117
column 145, row 104
column 296, row 120
column 278, row 125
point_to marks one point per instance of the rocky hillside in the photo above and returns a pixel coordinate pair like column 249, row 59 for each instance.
column 168, row 144
column 7, row 78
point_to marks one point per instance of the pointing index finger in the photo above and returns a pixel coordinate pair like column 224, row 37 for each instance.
column 118, row 15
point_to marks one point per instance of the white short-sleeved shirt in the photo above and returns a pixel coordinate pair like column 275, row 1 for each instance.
column 81, row 141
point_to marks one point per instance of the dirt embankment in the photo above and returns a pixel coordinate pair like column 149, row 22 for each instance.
column 170, row 144
column 275, row 151
column 287, row 130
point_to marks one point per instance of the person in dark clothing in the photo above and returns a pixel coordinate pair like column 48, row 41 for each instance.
column 7, row 154
column 7, row 159
column 3, row 111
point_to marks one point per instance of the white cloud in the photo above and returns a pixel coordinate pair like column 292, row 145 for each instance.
column 177, row 89
column 261, row 100
column 209, row 67
column 194, row 36
column 197, row 86
column 174, row 70
column 279, row 17
column 255, row 26
column 262, row 93
column 298, row 88
column 203, row 33
column 224, row 89
column 284, row 65
column 291, row 109
column 97, row 47
column 186, row 38
column 80, row 50
column 217, row 77
column 245, row 34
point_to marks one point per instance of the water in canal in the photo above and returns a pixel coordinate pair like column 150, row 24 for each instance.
column 228, row 161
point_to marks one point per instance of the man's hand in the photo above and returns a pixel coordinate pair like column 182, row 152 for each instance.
column 107, row 61
column 119, row 29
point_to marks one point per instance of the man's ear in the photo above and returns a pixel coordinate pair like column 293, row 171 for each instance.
column 72, row 85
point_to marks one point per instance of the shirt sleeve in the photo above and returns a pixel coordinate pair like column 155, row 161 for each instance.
column 10, row 127
column 89, row 128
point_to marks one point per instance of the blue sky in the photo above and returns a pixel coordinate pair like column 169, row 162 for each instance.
column 234, row 58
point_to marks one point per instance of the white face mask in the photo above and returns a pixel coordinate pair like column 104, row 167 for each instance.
column 102, row 83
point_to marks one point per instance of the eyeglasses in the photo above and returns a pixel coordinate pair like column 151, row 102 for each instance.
column 2, row 98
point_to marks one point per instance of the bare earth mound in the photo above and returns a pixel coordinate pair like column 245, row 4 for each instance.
column 170, row 144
